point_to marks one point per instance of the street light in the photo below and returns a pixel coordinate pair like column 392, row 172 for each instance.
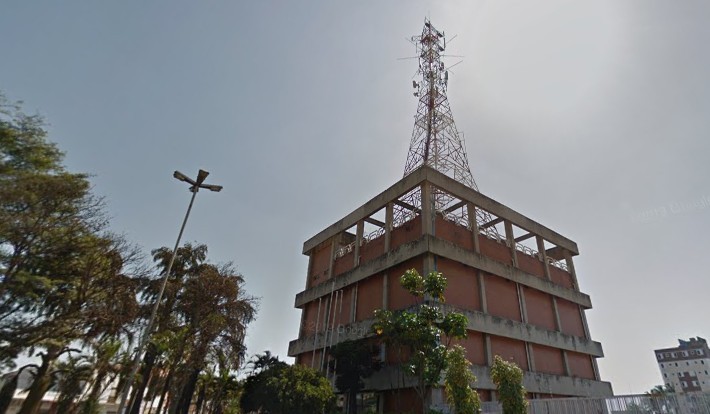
column 195, row 186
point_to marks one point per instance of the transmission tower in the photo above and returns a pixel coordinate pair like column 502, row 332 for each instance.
column 435, row 140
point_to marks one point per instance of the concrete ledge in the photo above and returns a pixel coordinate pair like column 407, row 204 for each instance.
column 535, row 382
column 477, row 321
column 399, row 188
column 466, row 193
column 447, row 250
column 371, row 267
column 447, row 184
column 451, row 251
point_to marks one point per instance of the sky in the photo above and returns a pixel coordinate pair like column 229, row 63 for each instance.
column 590, row 117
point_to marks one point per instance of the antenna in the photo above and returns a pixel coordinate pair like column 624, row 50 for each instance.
column 435, row 140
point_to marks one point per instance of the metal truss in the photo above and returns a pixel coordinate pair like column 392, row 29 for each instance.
column 435, row 140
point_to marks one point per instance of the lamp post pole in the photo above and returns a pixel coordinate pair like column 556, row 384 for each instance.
column 195, row 186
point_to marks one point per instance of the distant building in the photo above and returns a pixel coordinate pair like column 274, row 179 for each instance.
column 107, row 400
column 687, row 366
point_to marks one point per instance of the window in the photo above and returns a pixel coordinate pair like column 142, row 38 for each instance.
column 665, row 375
column 687, row 363
column 676, row 364
column 673, row 354
column 682, row 384
column 661, row 364
column 659, row 356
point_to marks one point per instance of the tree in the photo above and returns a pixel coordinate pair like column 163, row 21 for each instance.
column 419, row 331
column 508, row 378
column 352, row 362
column 202, row 320
column 287, row 389
column 458, row 380
column 63, row 277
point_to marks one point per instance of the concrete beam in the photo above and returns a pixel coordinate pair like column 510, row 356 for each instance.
column 524, row 237
column 535, row 382
column 399, row 188
column 451, row 251
column 463, row 192
column 376, row 222
column 447, row 250
column 477, row 321
column 491, row 223
column 449, row 185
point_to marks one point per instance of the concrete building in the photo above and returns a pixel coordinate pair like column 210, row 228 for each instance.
column 686, row 367
column 512, row 277
column 522, row 303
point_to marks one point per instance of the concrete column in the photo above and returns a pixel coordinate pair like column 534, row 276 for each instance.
column 558, row 323
column 473, row 224
column 358, row 241
column 511, row 242
column 570, row 269
column 596, row 369
column 488, row 349
column 521, row 303
column 565, row 361
column 482, row 291
column 429, row 264
column 310, row 268
column 353, row 306
column 333, row 246
column 427, row 209
column 531, row 357
column 385, row 291
column 389, row 219
column 353, row 302
column 543, row 256
column 583, row 316
column 484, row 308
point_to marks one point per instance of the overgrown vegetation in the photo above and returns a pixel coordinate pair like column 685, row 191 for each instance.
column 275, row 387
column 458, row 381
column 422, row 333
column 508, row 378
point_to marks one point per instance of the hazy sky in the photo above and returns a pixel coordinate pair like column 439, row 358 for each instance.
column 589, row 117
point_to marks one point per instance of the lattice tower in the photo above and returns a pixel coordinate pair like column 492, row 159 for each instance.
column 435, row 140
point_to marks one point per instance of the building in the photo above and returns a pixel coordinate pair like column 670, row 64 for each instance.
column 50, row 400
column 686, row 367
column 513, row 277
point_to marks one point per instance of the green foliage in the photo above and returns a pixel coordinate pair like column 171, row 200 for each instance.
column 419, row 331
column 287, row 389
column 508, row 378
column 63, row 277
column 458, row 380
column 352, row 362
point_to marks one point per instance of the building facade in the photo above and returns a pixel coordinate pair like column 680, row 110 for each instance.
column 513, row 278
column 523, row 303
column 686, row 367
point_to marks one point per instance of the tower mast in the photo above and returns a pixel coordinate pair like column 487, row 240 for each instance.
column 435, row 140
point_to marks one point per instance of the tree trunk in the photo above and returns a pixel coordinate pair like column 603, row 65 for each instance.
column 166, row 387
column 200, row 398
column 148, row 362
column 187, row 392
column 41, row 383
column 352, row 401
